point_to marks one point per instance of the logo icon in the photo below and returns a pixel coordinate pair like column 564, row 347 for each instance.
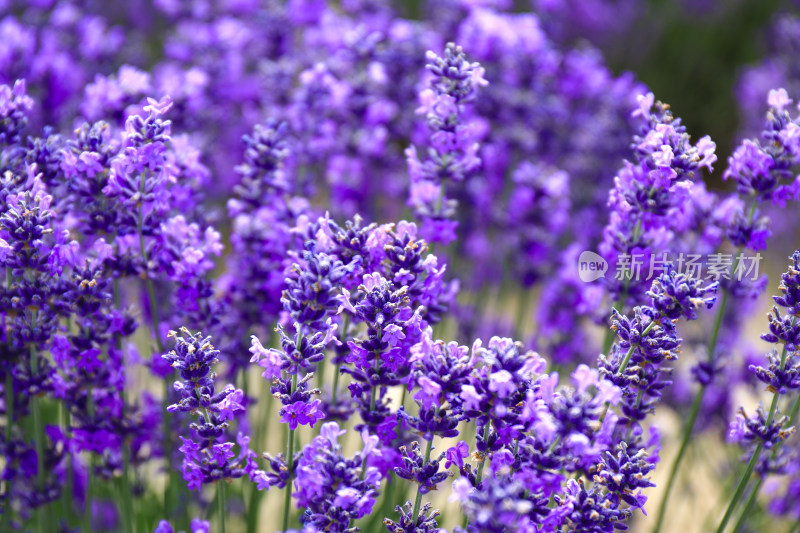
column 591, row 266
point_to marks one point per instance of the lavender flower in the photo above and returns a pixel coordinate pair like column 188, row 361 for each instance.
column 767, row 430
column 378, row 359
column 452, row 155
column 262, row 216
column 510, row 503
column 494, row 395
column 624, row 475
column 759, row 430
column 424, row 523
column 335, row 490
column 650, row 339
column 761, row 171
column 658, row 182
column 416, row 468
column 283, row 367
column 312, row 289
column 14, row 107
column 212, row 458
column 197, row 526
column 674, row 296
column 591, row 509
column 440, row 371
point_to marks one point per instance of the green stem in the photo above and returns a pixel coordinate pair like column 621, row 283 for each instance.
column 793, row 411
column 745, row 479
column 673, row 472
column 725, row 493
column 37, row 426
column 9, row 400
column 151, row 295
column 166, row 430
column 343, row 339
column 740, row 488
column 335, row 382
column 261, row 436
column 38, row 431
column 522, row 309
column 87, row 511
column 688, row 428
column 775, row 450
column 68, row 493
column 374, row 391
column 479, row 475
column 624, row 365
column 418, row 500
column 620, row 304
column 253, row 508
column 712, row 340
column 374, row 522
column 287, row 502
column 372, row 399
column 638, row 404
column 751, row 500
column 151, row 292
column 321, row 375
column 127, row 494
column 254, row 500
column 128, row 516
column 388, row 497
column 169, row 490
column 87, row 514
column 221, row 504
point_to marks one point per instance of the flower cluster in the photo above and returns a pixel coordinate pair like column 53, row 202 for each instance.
column 66, row 311
column 452, row 154
column 335, row 490
column 14, row 107
column 649, row 339
column 262, row 215
column 210, row 458
column 651, row 189
column 283, row 368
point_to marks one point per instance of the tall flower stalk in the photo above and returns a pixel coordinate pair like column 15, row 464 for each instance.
column 208, row 455
column 761, row 172
column 767, row 431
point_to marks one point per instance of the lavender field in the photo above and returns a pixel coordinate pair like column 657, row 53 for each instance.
column 454, row 266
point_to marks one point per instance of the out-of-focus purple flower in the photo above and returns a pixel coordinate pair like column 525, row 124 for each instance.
column 453, row 148
column 649, row 191
column 333, row 489
column 14, row 107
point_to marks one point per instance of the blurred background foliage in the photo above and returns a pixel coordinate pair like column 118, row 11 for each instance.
column 689, row 53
